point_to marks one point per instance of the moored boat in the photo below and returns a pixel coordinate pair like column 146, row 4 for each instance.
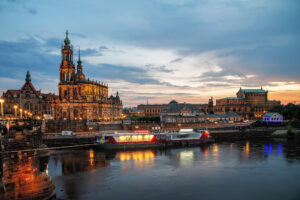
column 144, row 139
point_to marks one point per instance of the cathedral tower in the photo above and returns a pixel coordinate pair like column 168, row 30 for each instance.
column 67, row 68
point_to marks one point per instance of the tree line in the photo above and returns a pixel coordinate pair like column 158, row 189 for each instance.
column 289, row 112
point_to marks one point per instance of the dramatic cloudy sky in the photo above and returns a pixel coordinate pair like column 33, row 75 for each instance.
column 158, row 50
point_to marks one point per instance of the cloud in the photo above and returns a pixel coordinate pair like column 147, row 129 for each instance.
column 176, row 60
column 15, row 4
column 163, row 46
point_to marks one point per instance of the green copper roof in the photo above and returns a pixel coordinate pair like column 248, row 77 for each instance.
column 67, row 41
column 270, row 114
column 233, row 98
column 254, row 90
column 27, row 79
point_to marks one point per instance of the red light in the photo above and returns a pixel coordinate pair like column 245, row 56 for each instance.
column 141, row 131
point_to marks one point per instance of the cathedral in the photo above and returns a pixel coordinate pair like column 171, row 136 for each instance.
column 79, row 97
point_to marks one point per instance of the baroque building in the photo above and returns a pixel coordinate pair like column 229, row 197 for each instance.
column 248, row 103
column 80, row 97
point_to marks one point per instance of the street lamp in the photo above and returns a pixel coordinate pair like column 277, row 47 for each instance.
column 2, row 112
column 25, row 114
column 21, row 113
column 15, row 107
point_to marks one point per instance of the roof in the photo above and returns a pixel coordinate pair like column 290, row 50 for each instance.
column 233, row 98
column 14, row 92
column 175, row 107
column 254, row 90
column 32, row 87
column 228, row 114
column 173, row 101
column 270, row 114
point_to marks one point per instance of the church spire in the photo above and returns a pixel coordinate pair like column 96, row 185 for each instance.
column 79, row 66
column 67, row 41
column 28, row 78
column 79, row 61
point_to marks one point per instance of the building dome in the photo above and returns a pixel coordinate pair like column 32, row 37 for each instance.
column 79, row 76
column 173, row 101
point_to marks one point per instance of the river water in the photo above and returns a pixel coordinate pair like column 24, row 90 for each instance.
column 227, row 170
column 245, row 170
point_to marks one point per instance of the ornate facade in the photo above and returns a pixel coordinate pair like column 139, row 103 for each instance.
column 249, row 103
column 27, row 101
column 79, row 97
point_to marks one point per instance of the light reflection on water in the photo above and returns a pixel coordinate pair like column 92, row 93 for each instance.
column 225, row 170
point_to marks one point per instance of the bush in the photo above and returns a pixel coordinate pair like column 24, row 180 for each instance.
column 290, row 131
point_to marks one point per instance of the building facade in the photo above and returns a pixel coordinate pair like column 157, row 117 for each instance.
column 181, row 113
column 156, row 109
column 79, row 97
column 27, row 101
column 249, row 103
column 272, row 117
column 151, row 109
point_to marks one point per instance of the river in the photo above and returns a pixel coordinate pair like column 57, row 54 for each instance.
column 254, row 170
column 227, row 170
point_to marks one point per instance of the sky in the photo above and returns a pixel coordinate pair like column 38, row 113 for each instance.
column 156, row 50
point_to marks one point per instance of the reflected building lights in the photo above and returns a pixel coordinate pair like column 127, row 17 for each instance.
column 247, row 149
column 278, row 149
column 266, row 149
column 186, row 158
column 91, row 154
column 136, row 156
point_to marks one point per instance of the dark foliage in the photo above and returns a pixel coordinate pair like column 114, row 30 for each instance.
column 289, row 111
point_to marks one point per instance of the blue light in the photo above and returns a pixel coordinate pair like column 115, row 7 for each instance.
column 271, row 149
column 278, row 149
column 266, row 149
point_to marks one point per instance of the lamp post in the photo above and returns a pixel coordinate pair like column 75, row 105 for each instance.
column 25, row 111
column 2, row 112
column 21, row 116
column 15, row 107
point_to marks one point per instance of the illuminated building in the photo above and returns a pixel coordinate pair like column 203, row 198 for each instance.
column 32, row 101
column 272, row 117
column 249, row 103
column 80, row 97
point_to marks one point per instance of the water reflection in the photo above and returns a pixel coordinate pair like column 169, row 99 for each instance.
column 83, row 161
column 140, row 160
column 136, row 155
column 90, row 173
column 23, row 177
